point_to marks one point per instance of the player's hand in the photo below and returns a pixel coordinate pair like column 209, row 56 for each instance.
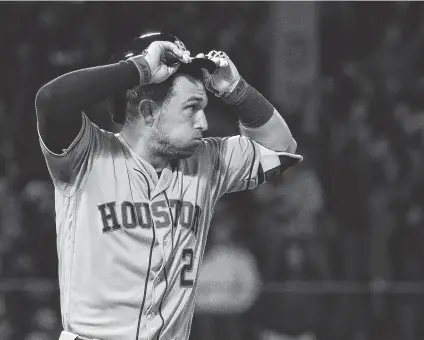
column 159, row 61
column 225, row 78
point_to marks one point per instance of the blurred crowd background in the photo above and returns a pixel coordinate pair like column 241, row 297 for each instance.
column 335, row 250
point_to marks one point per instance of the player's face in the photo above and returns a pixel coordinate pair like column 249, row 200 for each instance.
column 181, row 120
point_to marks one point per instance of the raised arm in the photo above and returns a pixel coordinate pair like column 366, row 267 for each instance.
column 60, row 102
column 259, row 120
column 269, row 149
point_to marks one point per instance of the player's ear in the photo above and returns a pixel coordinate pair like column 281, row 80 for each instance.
column 146, row 108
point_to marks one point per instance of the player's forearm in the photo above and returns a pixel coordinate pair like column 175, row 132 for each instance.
column 77, row 90
column 274, row 134
column 259, row 119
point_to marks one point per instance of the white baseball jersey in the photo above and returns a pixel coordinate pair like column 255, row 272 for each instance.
column 130, row 244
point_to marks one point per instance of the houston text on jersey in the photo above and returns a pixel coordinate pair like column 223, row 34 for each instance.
column 115, row 217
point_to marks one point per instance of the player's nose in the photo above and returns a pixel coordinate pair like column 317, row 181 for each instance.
column 201, row 122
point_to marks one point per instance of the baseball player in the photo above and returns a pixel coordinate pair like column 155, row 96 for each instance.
column 133, row 208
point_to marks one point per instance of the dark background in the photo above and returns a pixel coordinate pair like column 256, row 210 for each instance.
column 337, row 244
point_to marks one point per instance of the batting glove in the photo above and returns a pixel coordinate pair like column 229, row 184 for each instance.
column 225, row 78
column 159, row 61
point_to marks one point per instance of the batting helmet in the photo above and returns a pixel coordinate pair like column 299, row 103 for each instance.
column 137, row 46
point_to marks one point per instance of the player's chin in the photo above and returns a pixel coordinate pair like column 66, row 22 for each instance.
column 188, row 150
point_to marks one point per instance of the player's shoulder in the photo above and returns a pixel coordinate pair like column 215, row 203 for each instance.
column 212, row 148
column 208, row 147
column 217, row 143
column 110, row 141
column 214, row 141
column 202, row 157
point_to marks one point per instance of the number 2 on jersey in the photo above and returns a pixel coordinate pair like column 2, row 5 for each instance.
column 188, row 267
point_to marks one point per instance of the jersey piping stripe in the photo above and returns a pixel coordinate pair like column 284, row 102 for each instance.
column 164, row 269
column 145, row 284
column 161, row 301
column 147, row 182
column 149, row 265
column 173, row 222
column 253, row 163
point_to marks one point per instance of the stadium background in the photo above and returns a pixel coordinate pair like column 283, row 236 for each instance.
column 333, row 251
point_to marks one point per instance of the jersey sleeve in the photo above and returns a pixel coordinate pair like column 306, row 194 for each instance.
column 69, row 170
column 240, row 163
column 235, row 163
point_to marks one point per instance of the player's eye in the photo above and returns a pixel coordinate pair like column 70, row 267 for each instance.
column 192, row 109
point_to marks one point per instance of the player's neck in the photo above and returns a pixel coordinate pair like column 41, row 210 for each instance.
column 140, row 145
